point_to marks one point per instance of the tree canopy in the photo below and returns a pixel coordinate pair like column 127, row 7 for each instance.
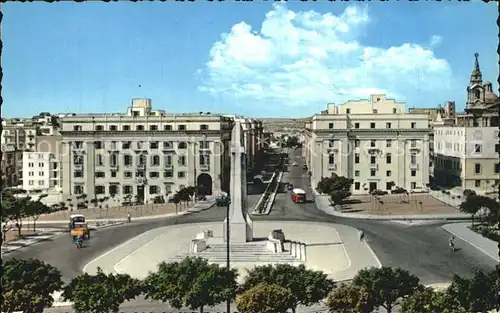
column 307, row 286
column 101, row 293
column 430, row 301
column 28, row 285
column 474, row 203
column 387, row 286
column 475, row 294
column 193, row 283
column 265, row 298
column 338, row 187
column 349, row 298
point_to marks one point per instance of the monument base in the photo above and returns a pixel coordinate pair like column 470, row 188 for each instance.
column 239, row 232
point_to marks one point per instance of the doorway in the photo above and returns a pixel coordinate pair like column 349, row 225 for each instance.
column 373, row 186
column 204, row 184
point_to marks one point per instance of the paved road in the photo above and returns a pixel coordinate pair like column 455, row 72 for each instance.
column 421, row 249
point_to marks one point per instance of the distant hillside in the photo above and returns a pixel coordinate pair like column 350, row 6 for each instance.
column 283, row 125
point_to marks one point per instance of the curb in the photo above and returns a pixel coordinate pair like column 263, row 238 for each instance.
column 462, row 237
column 254, row 210
column 38, row 240
column 273, row 196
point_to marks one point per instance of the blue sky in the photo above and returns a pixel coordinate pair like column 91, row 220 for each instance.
column 274, row 59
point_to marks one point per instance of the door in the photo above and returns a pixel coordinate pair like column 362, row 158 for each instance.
column 373, row 186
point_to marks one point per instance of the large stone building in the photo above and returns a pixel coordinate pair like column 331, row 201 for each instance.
column 466, row 154
column 145, row 153
column 374, row 142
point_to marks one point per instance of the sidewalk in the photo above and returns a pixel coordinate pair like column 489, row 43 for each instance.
column 485, row 245
column 323, row 204
column 200, row 206
column 41, row 235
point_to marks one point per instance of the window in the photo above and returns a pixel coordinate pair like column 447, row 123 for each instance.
column 182, row 145
column 413, row 125
column 127, row 174
column 373, row 172
column 168, row 174
column 127, row 160
column 413, row 173
column 100, row 174
column 113, row 189
column 31, row 164
column 113, row 159
column 113, row 146
column 126, row 127
column 31, row 174
column 388, row 143
column 113, row 174
column 155, row 160
column 153, row 127
column 477, row 183
column 206, row 145
column 77, row 128
column 127, row 190
column 167, row 160
column 167, row 127
column 168, row 145
column 99, row 128
column 153, row 189
column 373, row 159
column 139, row 127
column 78, row 174
column 477, row 148
column 100, row 190
column 113, row 128
column 413, row 158
column 154, row 175
column 413, row 143
column 182, row 160
column 135, row 113
column 372, row 143
column 356, row 158
column 31, row 182
column 372, row 125
column 99, row 160
column 181, row 174
column 126, row 145
column 330, row 125
column 387, row 125
column 154, row 145
column 348, row 111
column 40, row 173
column 356, row 185
column 413, row 185
column 356, row 143
column 139, row 145
column 375, row 111
column 181, row 127
column 78, row 189
column 497, row 168
column 40, row 164
column 356, row 173
column 388, row 158
column 394, row 111
column 356, row 125
column 331, row 159
column 388, row 185
column 98, row 145
column 203, row 127
column 477, row 168
column 388, row 173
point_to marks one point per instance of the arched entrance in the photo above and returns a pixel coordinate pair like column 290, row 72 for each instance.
column 204, row 184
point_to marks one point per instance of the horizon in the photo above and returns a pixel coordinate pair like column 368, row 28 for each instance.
column 273, row 60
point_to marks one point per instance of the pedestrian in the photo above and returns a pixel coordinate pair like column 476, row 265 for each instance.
column 129, row 217
column 361, row 234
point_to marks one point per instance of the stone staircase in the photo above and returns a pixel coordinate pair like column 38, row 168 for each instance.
column 251, row 252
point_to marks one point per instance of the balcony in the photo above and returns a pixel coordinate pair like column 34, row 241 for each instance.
column 414, row 166
column 78, row 167
column 168, row 167
column 205, row 167
column 140, row 180
column 373, row 150
column 373, row 166
column 77, row 148
column 332, row 167
column 141, row 166
column 168, row 148
column 113, row 166
column 332, row 148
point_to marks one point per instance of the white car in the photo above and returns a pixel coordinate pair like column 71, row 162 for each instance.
column 295, row 164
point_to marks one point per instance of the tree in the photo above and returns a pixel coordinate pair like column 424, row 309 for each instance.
column 17, row 210
column 471, row 205
column 307, row 286
column 192, row 283
column 476, row 294
column 431, row 301
column 338, row 187
column 387, row 286
column 36, row 208
column 101, row 293
column 468, row 192
column 474, row 204
column 28, row 285
column 349, row 298
column 265, row 298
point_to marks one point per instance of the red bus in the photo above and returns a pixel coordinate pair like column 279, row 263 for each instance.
column 298, row 195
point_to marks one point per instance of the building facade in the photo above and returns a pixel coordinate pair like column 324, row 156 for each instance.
column 40, row 171
column 145, row 153
column 374, row 142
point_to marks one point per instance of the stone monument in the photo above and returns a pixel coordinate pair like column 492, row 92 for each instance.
column 240, row 224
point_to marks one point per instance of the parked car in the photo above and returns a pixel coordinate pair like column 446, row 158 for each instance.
column 222, row 201
column 378, row 192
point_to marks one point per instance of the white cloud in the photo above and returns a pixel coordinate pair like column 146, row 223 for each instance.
column 435, row 41
column 307, row 58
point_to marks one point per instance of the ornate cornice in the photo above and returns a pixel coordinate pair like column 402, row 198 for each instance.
column 133, row 133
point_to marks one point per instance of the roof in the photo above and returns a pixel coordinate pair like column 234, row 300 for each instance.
column 298, row 191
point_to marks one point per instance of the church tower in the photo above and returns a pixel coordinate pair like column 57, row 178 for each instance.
column 475, row 90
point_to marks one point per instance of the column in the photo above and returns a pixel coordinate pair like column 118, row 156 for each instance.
column 192, row 163
column 66, row 169
column 425, row 161
column 215, row 166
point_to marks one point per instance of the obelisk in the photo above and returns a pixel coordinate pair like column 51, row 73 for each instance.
column 240, row 224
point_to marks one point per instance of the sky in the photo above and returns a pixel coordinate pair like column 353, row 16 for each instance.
column 260, row 59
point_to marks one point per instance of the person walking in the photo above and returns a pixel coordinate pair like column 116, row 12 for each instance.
column 452, row 243
column 361, row 234
column 129, row 218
